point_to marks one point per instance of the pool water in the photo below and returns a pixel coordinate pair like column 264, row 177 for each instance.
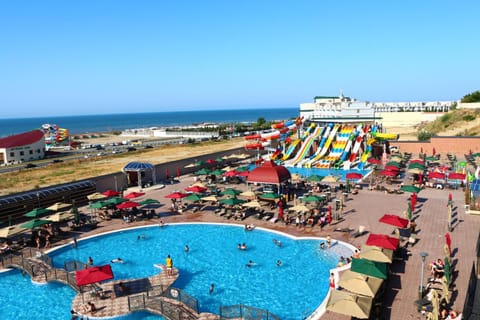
column 290, row 291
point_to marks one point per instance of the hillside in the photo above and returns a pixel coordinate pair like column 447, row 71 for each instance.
column 458, row 122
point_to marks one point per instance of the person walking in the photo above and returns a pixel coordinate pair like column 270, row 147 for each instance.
column 169, row 265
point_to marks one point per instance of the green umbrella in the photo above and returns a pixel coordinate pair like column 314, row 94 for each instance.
column 270, row 196
column 462, row 164
column 431, row 158
column 199, row 163
column 203, row 171
column 232, row 201
column 114, row 201
column 313, row 198
column 219, row 159
column 369, row 268
column 409, row 213
column 315, row 178
column 242, row 169
column 410, row 188
column 230, row 192
column 447, row 269
column 218, row 172
column 34, row 223
column 416, row 165
column 148, row 201
column 193, row 197
column 98, row 205
column 394, row 163
column 37, row 212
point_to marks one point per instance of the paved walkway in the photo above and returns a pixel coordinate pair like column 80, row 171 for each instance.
column 365, row 208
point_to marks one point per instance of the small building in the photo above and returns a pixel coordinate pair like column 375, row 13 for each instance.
column 22, row 147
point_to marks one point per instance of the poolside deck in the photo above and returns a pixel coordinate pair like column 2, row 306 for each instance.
column 364, row 208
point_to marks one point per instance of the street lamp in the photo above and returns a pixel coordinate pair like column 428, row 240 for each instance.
column 423, row 255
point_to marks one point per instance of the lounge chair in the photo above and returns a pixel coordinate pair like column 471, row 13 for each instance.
column 360, row 232
column 348, row 230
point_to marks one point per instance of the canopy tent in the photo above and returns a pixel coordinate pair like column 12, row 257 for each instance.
column 138, row 171
column 349, row 304
column 359, row 283
column 269, row 173
column 377, row 254
column 383, row 241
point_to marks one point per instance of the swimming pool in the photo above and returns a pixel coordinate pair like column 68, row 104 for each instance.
column 290, row 291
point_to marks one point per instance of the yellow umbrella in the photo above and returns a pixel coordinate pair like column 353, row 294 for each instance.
column 58, row 206
column 10, row 231
column 248, row 194
column 415, row 171
column 349, row 304
column 377, row 254
column 198, row 184
column 210, row 198
column 359, row 283
column 60, row 216
column 252, row 204
column 296, row 177
column 96, row 196
column 435, row 314
column 330, row 178
column 299, row 208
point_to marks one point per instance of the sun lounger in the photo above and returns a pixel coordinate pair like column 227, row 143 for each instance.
column 267, row 216
column 348, row 230
column 360, row 232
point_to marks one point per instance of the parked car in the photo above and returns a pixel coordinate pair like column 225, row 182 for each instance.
column 30, row 165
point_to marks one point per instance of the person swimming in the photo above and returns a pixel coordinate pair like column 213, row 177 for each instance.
column 279, row 263
column 278, row 243
column 118, row 260
column 250, row 264
column 212, row 287
column 187, row 248
column 242, row 246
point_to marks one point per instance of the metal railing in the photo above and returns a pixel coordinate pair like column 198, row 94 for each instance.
column 241, row 311
column 469, row 304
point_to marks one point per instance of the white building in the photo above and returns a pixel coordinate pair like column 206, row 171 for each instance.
column 22, row 147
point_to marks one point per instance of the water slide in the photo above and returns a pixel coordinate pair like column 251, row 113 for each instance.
column 327, row 144
column 306, row 146
column 294, row 144
column 348, row 147
column 366, row 154
column 356, row 148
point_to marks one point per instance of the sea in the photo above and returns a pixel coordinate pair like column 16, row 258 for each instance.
column 114, row 122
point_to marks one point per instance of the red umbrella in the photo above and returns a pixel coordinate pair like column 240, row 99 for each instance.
column 436, row 175
column 374, row 161
column 391, row 168
column 176, row 195
column 211, row 161
column 196, row 189
column 456, row 176
column 382, row 241
column 93, row 275
column 394, row 220
column 134, row 194
column 388, row 173
column 231, row 173
column 243, row 174
column 433, row 151
column 448, row 241
column 111, row 193
column 417, row 161
column 353, row 176
column 128, row 204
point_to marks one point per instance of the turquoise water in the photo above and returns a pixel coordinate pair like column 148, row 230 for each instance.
column 289, row 291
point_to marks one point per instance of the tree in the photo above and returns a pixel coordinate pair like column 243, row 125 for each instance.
column 472, row 97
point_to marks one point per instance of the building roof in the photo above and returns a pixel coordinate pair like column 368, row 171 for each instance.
column 138, row 166
column 269, row 172
column 21, row 139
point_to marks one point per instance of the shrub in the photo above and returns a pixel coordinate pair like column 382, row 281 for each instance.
column 469, row 117
column 424, row 135
column 446, row 117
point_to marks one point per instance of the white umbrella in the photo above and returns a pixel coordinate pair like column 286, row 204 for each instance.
column 252, row 204
column 96, row 196
column 58, row 206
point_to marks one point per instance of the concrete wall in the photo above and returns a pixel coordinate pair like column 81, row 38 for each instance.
column 471, row 105
column 442, row 145
column 406, row 119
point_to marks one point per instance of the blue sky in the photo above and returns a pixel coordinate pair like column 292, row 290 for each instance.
column 86, row 57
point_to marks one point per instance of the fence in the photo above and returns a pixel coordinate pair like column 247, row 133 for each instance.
column 241, row 311
column 469, row 307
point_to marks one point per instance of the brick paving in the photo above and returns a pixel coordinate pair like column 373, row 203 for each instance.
column 365, row 208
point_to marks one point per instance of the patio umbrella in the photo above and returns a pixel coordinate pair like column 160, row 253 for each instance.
column 196, row 189
column 219, row 159
column 210, row 198
column 313, row 198
column 394, row 164
column 37, row 212
column 359, row 283
column 394, row 220
column 314, row 178
column 431, row 158
column 243, row 168
column 243, row 174
column 299, row 208
column 211, row 161
column 456, row 176
column 388, row 173
column 248, row 194
column 349, row 304
column 396, row 158
column 127, row 205
column 296, row 177
column 420, row 161
column 232, row 201
column 410, row 188
column 374, row 161
column 330, row 178
column 58, row 206
column 353, row 176
column 10, row 231
column 96, row 196
column 415, row 171
column 416, row 165
column 218, row 172
column 369, row 268
column 199, row 163
column 383, row 241
column 409, row 213
column 252, row 204
column 114, row 201
column 203, row 171
column 269, row 196
column 448, row 242
column 193, row 197
column 134, row 194
column 198, row 184
column 230, row 192
column 60, row 216
column 392, row 168
column 35, row 223
column 436, row 175
column 98, row 205
column 376, row 254
column 149, row 201
column 231, row 173
column 435, row 306
column 93, row 275
column 447, row 269
column 176, row 195
column 110, row 193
